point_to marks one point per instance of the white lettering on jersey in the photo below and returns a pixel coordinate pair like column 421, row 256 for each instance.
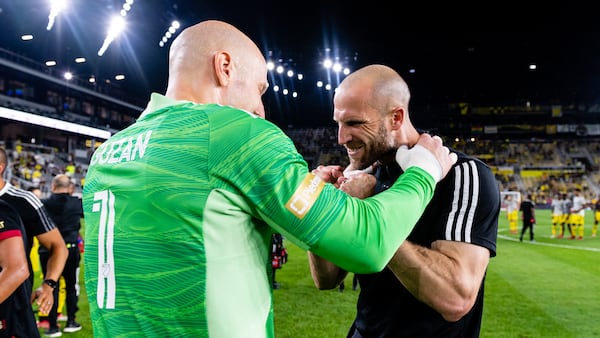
column 124, row 150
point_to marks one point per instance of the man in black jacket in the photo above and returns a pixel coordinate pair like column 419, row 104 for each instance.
column 66, row 212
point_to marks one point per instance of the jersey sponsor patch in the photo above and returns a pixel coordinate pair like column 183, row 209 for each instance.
column 305, row 196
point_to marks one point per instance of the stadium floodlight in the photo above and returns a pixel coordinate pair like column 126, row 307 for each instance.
column 68, row 75
column 56, row 6
column 80, row 60
column 126, row 8
column 117, row 26
column 337, row 67
column 26, row 37
column 51, row 63
column 169, row 33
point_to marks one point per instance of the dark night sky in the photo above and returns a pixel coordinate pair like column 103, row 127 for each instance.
column 484, row 66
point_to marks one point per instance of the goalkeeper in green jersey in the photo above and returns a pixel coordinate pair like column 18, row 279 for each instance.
column 180, row 206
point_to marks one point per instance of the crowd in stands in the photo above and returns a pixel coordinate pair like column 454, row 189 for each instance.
column 35, row 166
column 542, row 168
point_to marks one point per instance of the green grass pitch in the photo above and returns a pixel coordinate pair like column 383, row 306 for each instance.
column 549, row 288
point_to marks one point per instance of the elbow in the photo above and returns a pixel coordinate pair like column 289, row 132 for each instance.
column 454, row 311
column 328, row 279
column 454, row 315
column 23, row 273
column 324, row 285
column 60, row 250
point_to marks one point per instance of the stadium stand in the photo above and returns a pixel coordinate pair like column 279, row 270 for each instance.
column 540, row 149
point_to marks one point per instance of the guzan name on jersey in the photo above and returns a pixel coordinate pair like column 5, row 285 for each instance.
column 124, row 150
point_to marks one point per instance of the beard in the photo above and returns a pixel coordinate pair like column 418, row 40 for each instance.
column 382, row 148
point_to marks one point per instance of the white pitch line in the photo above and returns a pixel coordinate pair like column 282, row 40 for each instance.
column 550, row 244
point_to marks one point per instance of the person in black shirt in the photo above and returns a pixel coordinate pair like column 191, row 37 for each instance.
column 434, row 284
column 16, row 314
column 66, row 212
column 528, row 216
column 38, row 224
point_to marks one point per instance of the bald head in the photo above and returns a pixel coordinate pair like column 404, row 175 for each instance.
column 381, row 86
column 60, row 183
column 370, row 108
column 214, row 62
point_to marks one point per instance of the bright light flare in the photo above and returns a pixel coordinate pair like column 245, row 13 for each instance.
column 117, row 26
column 56, row 6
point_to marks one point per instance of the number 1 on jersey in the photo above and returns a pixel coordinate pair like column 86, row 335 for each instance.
column 104, row 202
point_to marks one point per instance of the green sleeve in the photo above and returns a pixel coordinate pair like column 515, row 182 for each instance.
column 262, row 165
column 368, row 232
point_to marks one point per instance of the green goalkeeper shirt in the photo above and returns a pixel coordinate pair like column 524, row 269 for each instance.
column 180, row 208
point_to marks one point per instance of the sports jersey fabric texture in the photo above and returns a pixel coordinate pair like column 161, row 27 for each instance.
column 179, row 212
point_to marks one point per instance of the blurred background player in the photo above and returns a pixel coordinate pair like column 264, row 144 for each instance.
column 557, row 215
column 66, row 211
column 512, row 213
column 527, row 207
column 578, row 213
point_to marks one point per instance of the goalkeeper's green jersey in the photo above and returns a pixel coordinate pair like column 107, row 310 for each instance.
column 180, row 208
